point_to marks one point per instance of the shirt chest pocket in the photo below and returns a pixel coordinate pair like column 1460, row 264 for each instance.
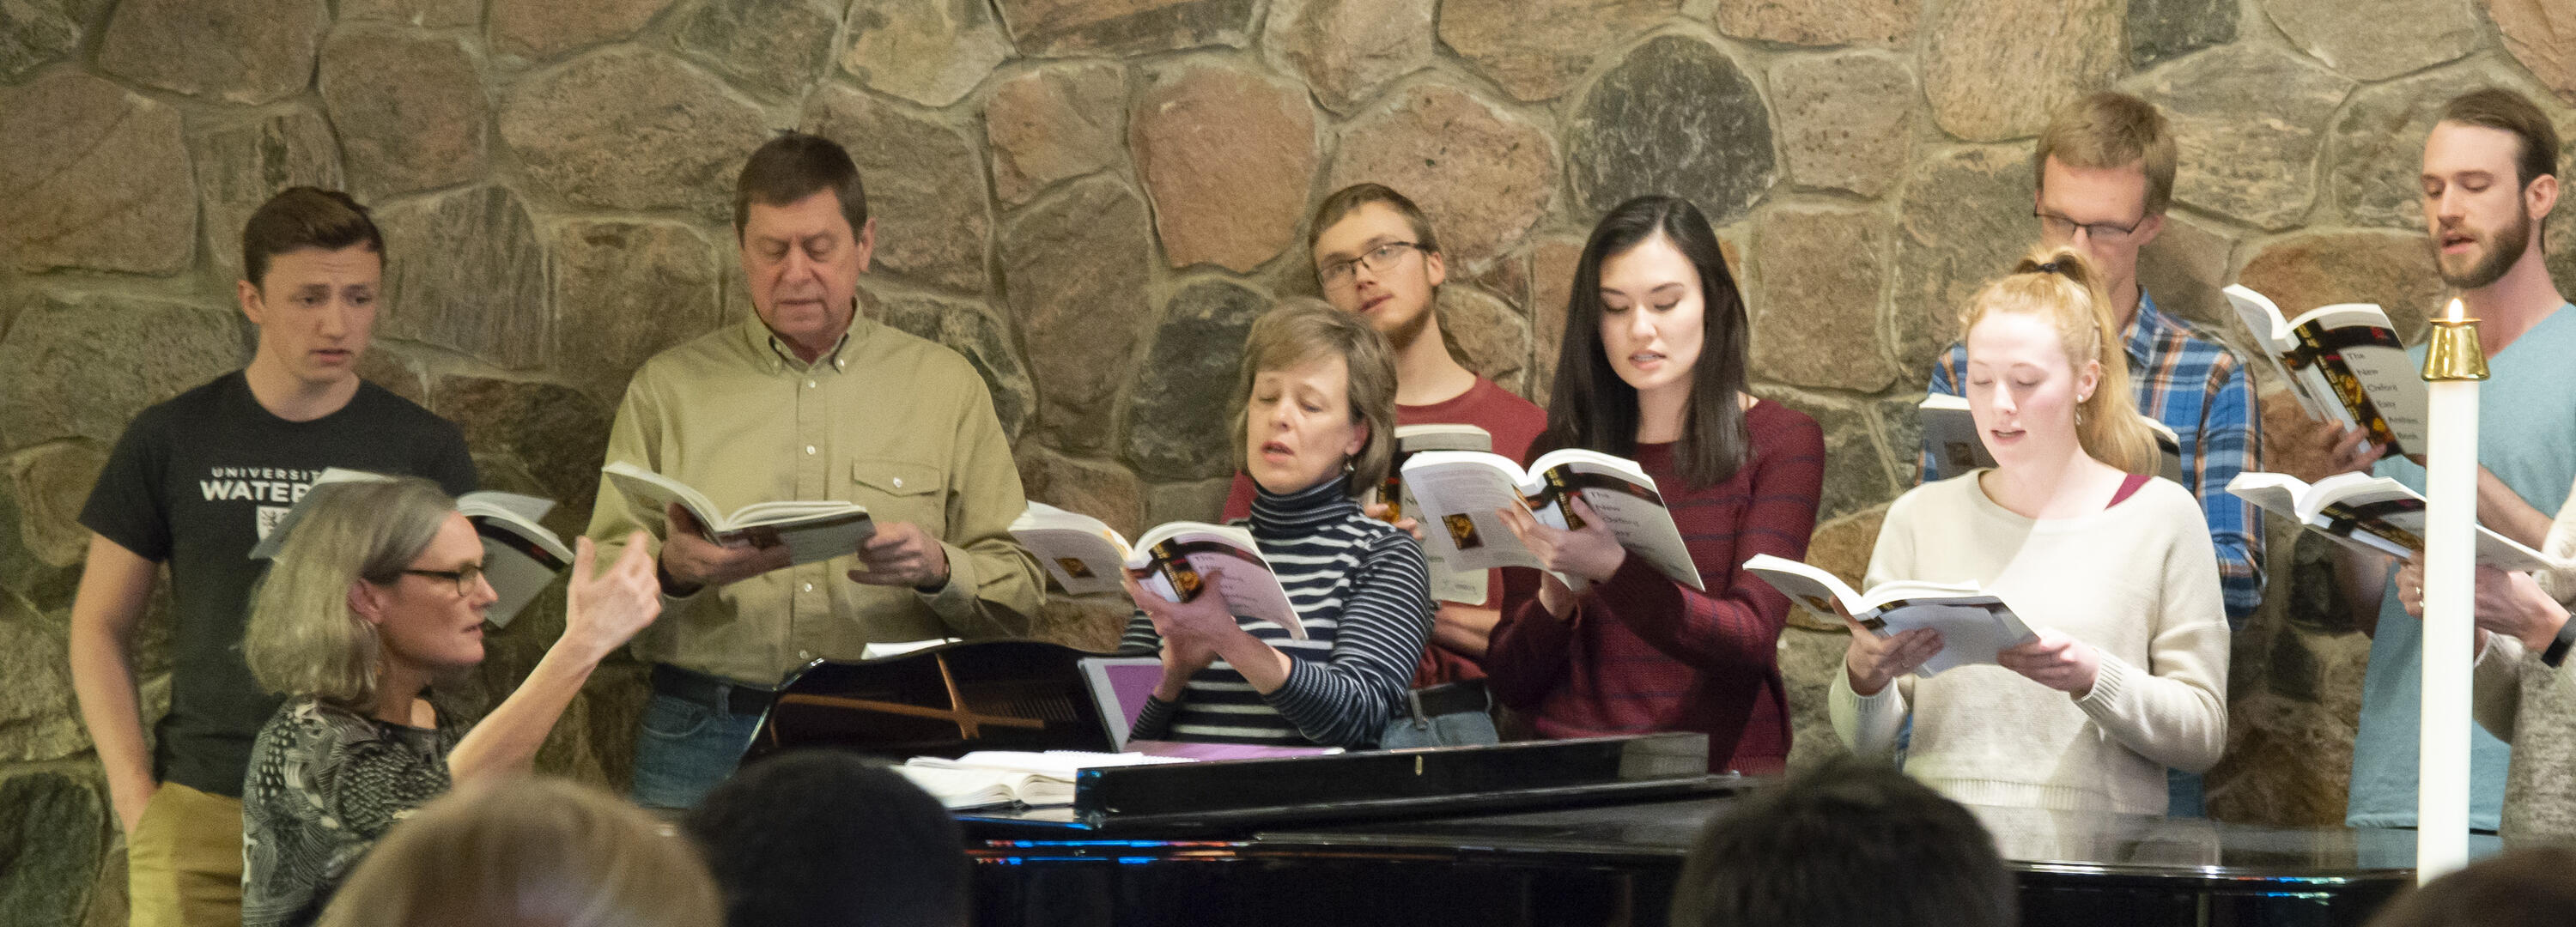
column 901, row 490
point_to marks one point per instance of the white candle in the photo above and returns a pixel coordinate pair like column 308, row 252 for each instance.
column 2450, row 519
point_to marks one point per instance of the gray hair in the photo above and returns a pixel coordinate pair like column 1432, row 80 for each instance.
column 303, row 639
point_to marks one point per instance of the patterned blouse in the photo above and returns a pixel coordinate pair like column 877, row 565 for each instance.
column 325, row 782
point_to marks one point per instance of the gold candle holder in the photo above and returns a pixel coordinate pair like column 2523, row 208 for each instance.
column 2454, row 353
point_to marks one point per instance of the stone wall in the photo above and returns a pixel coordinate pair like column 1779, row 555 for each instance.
column 1091, row 200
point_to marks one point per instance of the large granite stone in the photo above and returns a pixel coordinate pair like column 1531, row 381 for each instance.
column 425, row 14
column 410, row 111
column 628, row 129
column 248, row 51
column 1227, row 157
column 36, row 32
column 1483, row 178
column 924, row 182
column 2185, row 269
column 384, row 365
column 1808, row 661
column 2257, row 168
column 53, row 832
column 2161, row 30
column 1197, row 500
column 545, row 28
column 1842, row 546
column 1965, row 218
column 239, row 168
column 1537, row 49
column 466, row 272
column 558, row 435
column 1815, row 308
column 80, row 366
column 2393, row 269
column 1900, row 429
column 1074, row 267
column 1552, row 263
column 623, row 291
column 29, row 577
column 929, row 53
column 1676, row 116
column 1486, row 335
column 1088, row 623
column 2378, row 39
column 1845, row 119
column 1068, row 27
column 975, row 334
column 771, row 47
column 1995, row 68
column 2542, row 35
column 93, row 177
column 51, row 482
column 1821, row 22
column 1102, row 490
column 2375, row 158
column 39, row 721
column 1180, row 414
column 1346, row 49
column 1055, row 123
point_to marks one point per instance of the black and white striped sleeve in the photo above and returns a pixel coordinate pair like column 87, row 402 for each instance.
column 1347, row 698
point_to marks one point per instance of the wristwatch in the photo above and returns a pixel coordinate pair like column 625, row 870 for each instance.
column 2558, row 646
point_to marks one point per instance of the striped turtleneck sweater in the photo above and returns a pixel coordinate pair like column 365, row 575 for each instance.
column 1363, row 592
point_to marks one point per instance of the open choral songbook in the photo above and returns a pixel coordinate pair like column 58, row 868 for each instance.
column 1951, row 432
column 1448, row 584
column 520, row 557
column 1086, row 557
column 2345, row 364
column 812, row 531
column 1460, row 491
column 994, row 777
column 2373, row 513
column 1974, row 624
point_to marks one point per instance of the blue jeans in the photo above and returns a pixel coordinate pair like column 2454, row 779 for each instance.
column 683, row 749
column 2184, row 796
column 1450, row 730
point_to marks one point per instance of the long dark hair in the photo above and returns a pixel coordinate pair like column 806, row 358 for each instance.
column 1592, row 408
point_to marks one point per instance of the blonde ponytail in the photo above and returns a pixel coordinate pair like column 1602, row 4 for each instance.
column 2062, row 285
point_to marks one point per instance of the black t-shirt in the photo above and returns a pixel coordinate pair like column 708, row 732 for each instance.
column 196, row 482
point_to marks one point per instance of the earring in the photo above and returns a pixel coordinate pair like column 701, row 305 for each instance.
column 1347, row 468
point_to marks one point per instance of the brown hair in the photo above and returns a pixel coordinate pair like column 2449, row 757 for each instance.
column 1300, row 330
column 2110, row 129
column 2507, row 111
column 2061, row 286
column 1349, row 199
column 529, row 852
column 305, row 217
column 794, row 166
column 2518, row 887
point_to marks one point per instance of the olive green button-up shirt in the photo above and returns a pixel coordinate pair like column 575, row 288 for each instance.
column 888, row 420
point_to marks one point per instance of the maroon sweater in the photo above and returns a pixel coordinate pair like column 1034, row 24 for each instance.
column 1642, row 653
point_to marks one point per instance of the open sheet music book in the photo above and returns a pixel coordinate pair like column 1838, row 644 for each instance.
column 812, row 531
column 993, row 777
column 1974, row 624
column 520, row 557
column 2345, row 364
column 1950, row 430
column 1448, row 583
column 2373, row 513
column 1460, row 491
column 1086, row 557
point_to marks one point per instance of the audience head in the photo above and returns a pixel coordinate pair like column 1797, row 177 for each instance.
column 2490, row 180
column 313, row 265
column 1653, row 320
column 1375, row 255
column 801, row 219
column 1820, row 852
column 2102, row 176
column 822, row 838
column 375, row 574
column 1315, row 401
column 2521, row 887
column 2046, row 377
column 528, row 852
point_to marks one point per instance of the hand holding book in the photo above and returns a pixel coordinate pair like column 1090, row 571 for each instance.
column 1873, row 661
column 2054, row 660
column 1590, row 551
column 1190, row 630
column 695, row 563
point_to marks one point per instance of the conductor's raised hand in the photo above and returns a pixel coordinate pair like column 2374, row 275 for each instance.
column 606, row 607
column 693, row 562
column 1872, row 662
column 1591, row 552
column 2056, row 661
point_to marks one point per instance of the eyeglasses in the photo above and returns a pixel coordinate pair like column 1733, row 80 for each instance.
column 2063, row 227
column 1378, row 260
column 466, row 577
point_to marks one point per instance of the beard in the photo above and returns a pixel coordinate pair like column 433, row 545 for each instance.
column 2506, row 247
column 1405, row 333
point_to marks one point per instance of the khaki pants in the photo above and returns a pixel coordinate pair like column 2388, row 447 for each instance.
column 184, row 860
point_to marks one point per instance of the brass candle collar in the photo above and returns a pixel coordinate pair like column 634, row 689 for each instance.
column 2454, row 353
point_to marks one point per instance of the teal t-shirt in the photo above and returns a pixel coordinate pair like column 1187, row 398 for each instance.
column 2527, row 437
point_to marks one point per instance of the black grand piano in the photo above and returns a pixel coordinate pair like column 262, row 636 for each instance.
column 1588, row 832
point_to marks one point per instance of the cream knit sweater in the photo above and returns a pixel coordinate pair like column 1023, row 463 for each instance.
column 2138, row 581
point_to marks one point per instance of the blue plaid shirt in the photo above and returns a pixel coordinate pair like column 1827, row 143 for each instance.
column 2197, row 388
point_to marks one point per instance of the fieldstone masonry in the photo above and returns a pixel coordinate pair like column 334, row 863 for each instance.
column 1090, row 200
